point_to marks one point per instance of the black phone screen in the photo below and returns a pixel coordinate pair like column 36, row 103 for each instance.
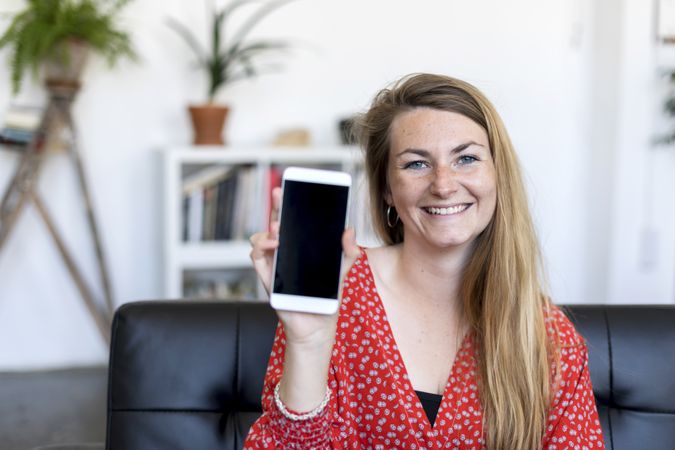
column 310, row 239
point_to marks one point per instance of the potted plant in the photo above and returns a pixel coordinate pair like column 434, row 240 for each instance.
column 228, row 58
column 57, row 34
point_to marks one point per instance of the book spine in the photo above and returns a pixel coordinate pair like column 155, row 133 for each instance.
column 196, row 215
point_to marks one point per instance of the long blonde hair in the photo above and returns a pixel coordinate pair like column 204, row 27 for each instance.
column 501, row 289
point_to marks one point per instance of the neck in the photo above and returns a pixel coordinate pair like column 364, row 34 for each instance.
column 434, row 274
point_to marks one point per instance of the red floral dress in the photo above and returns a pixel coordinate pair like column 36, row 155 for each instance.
column 374, row 405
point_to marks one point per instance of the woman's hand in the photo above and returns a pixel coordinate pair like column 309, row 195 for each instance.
column 264, row 245
column 302, row 328
column 309, row 337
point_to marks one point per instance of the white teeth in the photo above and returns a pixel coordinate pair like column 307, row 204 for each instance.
column 447, row 211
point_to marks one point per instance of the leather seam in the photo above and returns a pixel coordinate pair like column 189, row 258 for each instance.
column 237, row 354
column 611, row 377
column 113, row 340
column 238, row 362
column 644, row 410
column 169, row 411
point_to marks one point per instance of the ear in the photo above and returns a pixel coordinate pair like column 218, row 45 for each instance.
column 387, row 191
column 387, row 197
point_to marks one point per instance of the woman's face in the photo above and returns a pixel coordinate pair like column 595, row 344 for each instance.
column 441, row 177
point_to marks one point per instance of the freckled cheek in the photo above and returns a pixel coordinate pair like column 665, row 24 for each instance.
column 484, row 188
column 405, row 184
column 482, row 185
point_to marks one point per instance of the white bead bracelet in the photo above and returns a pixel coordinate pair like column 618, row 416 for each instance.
column 306, row 416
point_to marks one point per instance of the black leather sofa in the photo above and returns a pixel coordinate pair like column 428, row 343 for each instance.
column 188, row 375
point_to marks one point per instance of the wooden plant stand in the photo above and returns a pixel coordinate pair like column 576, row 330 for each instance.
column 23, row 188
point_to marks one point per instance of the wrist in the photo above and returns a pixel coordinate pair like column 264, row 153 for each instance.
column 316, row 341
column 303, row 404
column 303, row 384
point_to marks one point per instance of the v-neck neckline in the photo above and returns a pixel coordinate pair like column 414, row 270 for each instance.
column 405, row 386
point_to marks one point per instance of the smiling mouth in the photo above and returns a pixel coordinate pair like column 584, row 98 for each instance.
column 447, row 211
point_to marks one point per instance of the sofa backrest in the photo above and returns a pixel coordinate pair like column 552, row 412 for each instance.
column 188, row 375
column 632, row 362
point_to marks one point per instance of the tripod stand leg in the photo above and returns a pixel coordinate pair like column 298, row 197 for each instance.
column 91, row 219
column 10, row 217
column 100, row 317
column 22, row 184
column 6, row 207
column 25, row 177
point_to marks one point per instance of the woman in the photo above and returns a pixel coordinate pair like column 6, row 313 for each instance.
column 444, row 337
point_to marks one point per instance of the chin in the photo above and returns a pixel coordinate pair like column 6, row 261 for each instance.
column 450, row 244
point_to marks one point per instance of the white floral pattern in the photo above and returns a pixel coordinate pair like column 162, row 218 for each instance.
column 374, row 406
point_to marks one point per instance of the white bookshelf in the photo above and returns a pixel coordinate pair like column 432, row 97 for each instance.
column 185, row 260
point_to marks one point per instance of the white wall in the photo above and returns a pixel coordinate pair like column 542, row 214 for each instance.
column 642, row 250
column 541, row 62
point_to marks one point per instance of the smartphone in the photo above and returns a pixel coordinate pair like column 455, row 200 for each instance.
column 307, row 263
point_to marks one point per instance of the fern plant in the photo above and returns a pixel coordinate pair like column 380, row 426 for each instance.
column 40, row 32
column 230, row 55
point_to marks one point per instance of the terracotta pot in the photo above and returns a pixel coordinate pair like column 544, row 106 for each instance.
column 208, row 122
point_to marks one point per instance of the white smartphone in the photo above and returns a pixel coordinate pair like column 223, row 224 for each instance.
column 307, row 263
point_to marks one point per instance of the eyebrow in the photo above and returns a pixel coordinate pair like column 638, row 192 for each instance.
column 425, row 153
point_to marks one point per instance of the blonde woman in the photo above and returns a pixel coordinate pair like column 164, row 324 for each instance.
column 444, row 337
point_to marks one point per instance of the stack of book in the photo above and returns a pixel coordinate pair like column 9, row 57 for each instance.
column 219, row 203
column 20, row 124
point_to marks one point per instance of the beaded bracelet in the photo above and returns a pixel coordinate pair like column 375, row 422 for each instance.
column 306, row 416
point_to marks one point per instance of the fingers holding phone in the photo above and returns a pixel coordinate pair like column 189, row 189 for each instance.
column 264, row 244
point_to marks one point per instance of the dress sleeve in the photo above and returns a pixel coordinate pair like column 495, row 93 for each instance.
column 273, row 430
column 573, row 419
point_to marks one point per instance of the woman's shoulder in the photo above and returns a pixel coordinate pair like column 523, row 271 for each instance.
column 560, row 328
column 382, row 253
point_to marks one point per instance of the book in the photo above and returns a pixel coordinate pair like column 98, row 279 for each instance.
column 229, row 211
column 208, row 223
column 207, row 176
column 243, row 202
column 199, row 187
column 26, row 118
column 195, row 215
column 224, row 210
column 16, row 135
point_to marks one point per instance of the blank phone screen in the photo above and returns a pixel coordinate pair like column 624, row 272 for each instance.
column 310, row 239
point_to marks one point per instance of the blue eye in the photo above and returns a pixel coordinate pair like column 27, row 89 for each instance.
column 467, row 159
column 415, row 165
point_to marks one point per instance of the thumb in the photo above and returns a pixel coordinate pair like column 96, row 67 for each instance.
column 349, row 246
column 351, row 253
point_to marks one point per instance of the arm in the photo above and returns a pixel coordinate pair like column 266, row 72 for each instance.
column 573, row 419
column 272, row 430
column 300, row 358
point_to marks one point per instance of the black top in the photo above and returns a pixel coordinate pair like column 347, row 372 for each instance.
column 430, row 403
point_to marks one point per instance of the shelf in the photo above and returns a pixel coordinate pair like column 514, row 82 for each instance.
column 214, row 254
column 220, row 268
column 259, row 155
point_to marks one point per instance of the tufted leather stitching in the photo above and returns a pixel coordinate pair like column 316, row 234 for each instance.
column 611, row 379
column 177, row 411
column 237, row 377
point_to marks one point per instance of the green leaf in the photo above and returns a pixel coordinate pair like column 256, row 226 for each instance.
column 245, row 29
column 38, row 33
column 232, row 59
column 189, row 39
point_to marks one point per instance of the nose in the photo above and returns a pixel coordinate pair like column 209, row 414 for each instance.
column 444, row 182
